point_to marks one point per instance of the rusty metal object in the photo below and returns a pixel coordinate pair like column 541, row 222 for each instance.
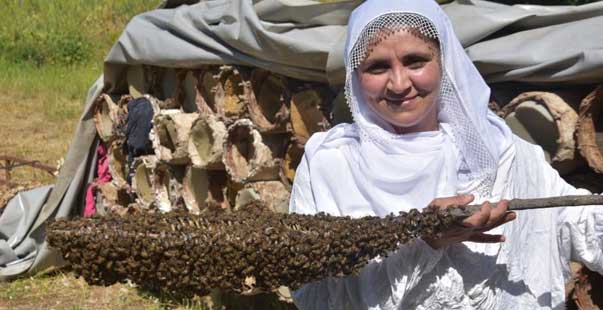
column 12, row 162
column 590, row 142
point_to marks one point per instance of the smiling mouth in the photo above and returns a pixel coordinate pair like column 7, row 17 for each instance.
column 400, row 102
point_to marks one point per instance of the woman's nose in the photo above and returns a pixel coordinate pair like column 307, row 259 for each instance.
column 399, row 81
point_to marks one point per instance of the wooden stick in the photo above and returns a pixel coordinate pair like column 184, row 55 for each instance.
column 535, row 203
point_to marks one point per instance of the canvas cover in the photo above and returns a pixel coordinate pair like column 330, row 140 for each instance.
column 302, row 39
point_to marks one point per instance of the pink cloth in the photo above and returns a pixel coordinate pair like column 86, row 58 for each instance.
column 102, row 176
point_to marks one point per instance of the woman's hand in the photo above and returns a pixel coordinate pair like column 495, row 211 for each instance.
column 473, row 227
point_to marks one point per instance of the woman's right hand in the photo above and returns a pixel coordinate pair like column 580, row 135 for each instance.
column 473, row 227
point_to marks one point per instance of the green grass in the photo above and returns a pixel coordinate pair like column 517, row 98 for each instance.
column 50, row 54
column 63, row 31
column 61, row 89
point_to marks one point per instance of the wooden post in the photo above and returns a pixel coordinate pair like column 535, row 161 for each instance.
column 7, row 167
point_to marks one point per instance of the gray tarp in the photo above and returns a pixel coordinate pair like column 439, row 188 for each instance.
column 302, row 39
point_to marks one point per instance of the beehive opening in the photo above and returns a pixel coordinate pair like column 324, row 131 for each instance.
column 533, row 122
column 240, row 151
column 232, row 85
column 144, row 187
column 202, row 139
column 269, row 91
column 208, row 89
column 166, row 132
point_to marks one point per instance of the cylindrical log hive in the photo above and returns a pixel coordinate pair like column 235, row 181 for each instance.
column 143, row 80
column 157, row 184
column 341, row 109
column 246, row 157
column 195, row 189
column 545, row 119
column 142, row 180
column 137, row 84
column 293, row 156
column 274, row 194
column 203, row 189
column 590, row 129
column 206, row 88
column 306, row 116
column 185, row 91
column 230, row 93
column 268, row 99
column 114, row 199
column 206, row 144
column 109, row 118
column 170, row 136
column 118, row 164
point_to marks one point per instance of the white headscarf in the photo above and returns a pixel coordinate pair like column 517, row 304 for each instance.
column 395, row 172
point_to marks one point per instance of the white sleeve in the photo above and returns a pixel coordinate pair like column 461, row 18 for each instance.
column 580, row 232
column 382, row 282
column 302, row 199
column 580, row 229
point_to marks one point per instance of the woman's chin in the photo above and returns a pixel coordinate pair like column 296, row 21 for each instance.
column 413, row 124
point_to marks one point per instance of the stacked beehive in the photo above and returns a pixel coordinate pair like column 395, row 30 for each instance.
column 568, row 124
column 221, row 135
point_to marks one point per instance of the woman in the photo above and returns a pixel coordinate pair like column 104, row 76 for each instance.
column 422, row 130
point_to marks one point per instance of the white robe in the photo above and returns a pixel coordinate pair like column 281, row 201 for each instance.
column 528, row 271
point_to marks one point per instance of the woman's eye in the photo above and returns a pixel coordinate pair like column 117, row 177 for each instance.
column 417, row 64
column 376, row 68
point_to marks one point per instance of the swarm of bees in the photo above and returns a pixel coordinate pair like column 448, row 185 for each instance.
column 248, row 251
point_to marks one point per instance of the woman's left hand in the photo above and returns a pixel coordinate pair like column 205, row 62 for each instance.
column 473, row 227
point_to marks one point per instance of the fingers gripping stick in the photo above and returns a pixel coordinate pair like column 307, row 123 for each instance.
column 462, row 212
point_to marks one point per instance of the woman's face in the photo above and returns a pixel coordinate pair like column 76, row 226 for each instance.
column 400, row 80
